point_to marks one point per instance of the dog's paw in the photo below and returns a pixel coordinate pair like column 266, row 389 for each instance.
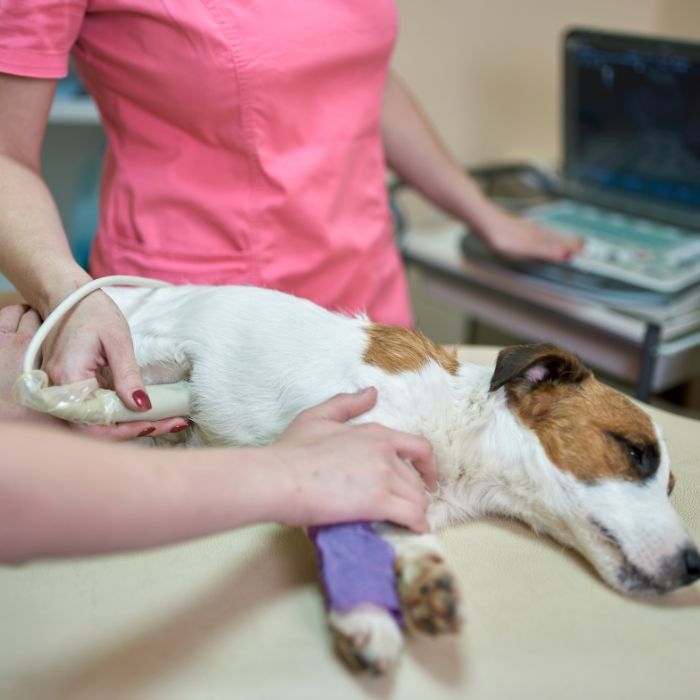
column 429, row 594
column 367, row 638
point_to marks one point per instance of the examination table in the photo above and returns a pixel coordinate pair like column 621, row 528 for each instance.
column 240, row 616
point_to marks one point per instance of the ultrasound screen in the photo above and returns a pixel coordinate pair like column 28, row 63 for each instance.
column 633, row 120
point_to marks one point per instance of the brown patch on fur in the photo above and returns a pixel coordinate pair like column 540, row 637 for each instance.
column 671, row 483
column 577, row 423
column 396, row 349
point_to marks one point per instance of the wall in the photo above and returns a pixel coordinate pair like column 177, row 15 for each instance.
column 487, row 71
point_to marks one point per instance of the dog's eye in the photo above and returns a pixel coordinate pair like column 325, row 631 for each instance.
column 635, row 453
column 644, row 460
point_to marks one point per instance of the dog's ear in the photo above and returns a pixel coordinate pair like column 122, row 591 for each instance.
column 527, row 366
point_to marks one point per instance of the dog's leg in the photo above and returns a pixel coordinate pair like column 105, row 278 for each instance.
column 427, row 587
column 367, row 638
column 356, row 568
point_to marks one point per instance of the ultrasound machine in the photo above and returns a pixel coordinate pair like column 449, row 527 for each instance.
column 629, row 185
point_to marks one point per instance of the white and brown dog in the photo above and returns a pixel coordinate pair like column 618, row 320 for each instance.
column 538, row 438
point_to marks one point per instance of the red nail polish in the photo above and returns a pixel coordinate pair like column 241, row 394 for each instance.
column 141, row 399
column 180, row 427
column 146, row 431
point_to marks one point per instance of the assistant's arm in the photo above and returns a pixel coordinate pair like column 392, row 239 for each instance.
column 36, row 258
column 63, row 494
column 418, row 155
column 34, row 251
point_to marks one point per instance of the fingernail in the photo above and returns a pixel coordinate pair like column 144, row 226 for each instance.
column 141, row 399
column 180, row 427
column 146, row 431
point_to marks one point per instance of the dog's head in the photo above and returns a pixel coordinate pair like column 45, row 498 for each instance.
column 601, row 480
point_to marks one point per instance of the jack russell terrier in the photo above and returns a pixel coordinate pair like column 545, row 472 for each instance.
column 536, row 438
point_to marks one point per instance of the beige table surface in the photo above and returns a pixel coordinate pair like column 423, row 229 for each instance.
column 240, row 616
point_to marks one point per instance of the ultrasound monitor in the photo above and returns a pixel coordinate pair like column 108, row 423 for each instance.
column 632, row 117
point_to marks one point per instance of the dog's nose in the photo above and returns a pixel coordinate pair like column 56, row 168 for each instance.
column 691, row 562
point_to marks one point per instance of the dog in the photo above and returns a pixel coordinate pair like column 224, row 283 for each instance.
column 537, row 437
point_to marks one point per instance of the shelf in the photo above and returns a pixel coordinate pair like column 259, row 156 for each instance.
column 74, row 110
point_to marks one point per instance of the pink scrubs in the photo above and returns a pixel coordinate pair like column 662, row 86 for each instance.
column 243, row 138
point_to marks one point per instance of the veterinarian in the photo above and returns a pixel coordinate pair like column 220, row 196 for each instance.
column 65, row 494
column 246, row 144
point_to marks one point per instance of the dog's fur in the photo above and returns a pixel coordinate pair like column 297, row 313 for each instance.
column 537, row 438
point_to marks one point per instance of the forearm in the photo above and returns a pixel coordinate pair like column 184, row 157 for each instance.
column 418, row 155
column 34, row 252
column 65, row 495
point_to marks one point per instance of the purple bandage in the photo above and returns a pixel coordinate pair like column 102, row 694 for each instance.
column 356, row 566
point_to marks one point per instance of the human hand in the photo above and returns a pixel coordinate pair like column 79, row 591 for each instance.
column 335, row 472
column 516, row 237
column 18, row 323
column 94, row 340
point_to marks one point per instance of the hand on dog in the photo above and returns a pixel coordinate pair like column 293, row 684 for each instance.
column 342, row 472
column 94, row 340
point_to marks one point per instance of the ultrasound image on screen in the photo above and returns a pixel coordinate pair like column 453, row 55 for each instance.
column 637, row 123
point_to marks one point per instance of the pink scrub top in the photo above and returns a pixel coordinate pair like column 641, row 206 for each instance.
column 243, row 139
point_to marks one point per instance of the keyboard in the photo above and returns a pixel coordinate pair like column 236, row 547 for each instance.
column 639, row 252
